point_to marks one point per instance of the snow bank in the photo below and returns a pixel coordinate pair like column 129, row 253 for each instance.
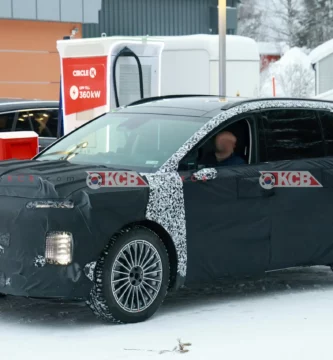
column 293, row 74
column 321, row 52
column 295, row 56
column 271, row 48
column 328, row 95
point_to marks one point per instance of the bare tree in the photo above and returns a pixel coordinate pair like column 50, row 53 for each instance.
column 316, row 22
column 283, row 22
column 296, row 81
column 249, row 19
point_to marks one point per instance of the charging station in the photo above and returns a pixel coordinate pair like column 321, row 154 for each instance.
column 101, row 74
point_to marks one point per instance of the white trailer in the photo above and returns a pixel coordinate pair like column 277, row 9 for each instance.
column 190, row 65
column 322, row 61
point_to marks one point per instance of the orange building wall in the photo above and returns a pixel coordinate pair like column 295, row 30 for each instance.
column 29, row 60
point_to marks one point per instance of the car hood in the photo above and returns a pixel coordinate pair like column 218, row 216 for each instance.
column 43, row 179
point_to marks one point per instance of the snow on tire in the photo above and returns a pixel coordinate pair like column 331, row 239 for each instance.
column 131, row 277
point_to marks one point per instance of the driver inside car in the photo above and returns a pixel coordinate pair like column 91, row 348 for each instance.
column 225, row 144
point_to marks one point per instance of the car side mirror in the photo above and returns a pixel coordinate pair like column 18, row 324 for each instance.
column 205, row 174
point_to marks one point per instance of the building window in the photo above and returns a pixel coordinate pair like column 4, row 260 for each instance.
column 214, row 20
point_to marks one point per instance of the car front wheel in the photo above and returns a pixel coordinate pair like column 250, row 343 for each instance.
column 131, row 277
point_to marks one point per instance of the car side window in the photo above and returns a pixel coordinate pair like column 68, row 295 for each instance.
column 326, row 119
column 290, row 134
column 44, row 122
column 7, row 121
column 204, row 156
column 23, row 122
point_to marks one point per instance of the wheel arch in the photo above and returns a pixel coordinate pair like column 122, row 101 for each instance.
column 168, row 243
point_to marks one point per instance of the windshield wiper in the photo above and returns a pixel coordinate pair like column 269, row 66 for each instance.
column 68, row 153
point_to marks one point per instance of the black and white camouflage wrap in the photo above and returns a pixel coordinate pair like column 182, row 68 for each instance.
column 206, row 174
column 40, row 261
column 166, row 207
column 166, row 198
column 89, row 270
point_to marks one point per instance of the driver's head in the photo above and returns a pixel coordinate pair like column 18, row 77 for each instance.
column 225, row 142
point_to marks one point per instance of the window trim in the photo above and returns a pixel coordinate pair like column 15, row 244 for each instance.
column 322, row 127
column 250, row 142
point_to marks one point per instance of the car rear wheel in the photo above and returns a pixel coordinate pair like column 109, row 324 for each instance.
column 2, row 295
column 131, row 277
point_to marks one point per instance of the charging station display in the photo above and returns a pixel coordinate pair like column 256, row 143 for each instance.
column 85, row 84
column 101, row 74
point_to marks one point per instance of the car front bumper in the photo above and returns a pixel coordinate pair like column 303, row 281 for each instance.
column 23, row 269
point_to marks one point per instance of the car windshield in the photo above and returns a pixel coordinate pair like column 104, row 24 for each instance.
column 141, row 142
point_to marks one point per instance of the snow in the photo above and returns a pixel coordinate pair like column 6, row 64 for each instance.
column 295, row 56
column 294, row 76
column 321, row 51
column 286, row 315
column 271, row 48
column 328, row 95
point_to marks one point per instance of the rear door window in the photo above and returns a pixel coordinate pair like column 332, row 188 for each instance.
column 290, row 134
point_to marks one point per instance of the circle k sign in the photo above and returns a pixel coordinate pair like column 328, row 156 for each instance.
column 92, row 72
column 85, row 83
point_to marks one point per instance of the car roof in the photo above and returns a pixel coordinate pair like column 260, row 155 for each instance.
column 195, row 105
column 177, row 105
column 20, row 104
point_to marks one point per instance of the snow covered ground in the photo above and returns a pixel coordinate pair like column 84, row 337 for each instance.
column 287, row 315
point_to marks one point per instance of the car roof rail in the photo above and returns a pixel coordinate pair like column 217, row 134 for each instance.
column 155, row 98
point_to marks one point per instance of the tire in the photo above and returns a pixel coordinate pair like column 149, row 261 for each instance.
column 2, row 295
column 148, row 281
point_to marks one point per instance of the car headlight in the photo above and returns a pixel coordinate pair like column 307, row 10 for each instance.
column 50, row 204
column 59, row 248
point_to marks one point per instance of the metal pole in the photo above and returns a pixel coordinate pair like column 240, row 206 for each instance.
column 222, row 45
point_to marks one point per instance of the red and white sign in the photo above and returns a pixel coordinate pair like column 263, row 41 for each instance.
column 85, row 83
column 99, row 179
column 270, row 179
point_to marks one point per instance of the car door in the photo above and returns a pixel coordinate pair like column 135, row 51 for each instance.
column 227, row 219
column 291, row 141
